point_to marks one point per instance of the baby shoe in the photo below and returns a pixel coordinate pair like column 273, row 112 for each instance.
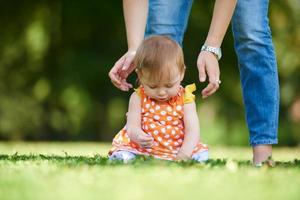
column 201, row 157
column 124, row 156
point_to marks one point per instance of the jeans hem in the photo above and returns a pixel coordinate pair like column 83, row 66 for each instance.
column 263, row 142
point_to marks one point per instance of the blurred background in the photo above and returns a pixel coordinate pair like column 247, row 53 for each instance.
column 55, row 56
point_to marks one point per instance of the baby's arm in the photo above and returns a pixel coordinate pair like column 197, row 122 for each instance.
column 133, row 126
column 192, row 130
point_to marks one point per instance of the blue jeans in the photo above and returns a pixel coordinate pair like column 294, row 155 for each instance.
column 168, row 17
column 255, row 52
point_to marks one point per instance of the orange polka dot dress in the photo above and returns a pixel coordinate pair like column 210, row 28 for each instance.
column 164, row 122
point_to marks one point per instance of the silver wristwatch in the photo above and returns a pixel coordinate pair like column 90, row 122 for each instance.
column 215, row 50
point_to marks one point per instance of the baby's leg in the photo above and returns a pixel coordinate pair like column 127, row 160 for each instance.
column 201, row 156
column 124, row 156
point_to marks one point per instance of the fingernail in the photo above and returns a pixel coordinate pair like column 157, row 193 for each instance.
column 202, row 79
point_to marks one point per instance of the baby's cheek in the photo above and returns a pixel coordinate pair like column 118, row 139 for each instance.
column 173, row 93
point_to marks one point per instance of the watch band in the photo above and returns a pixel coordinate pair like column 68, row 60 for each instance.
column 215, row 50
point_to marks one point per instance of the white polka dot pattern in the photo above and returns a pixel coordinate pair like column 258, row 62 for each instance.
column 164, row 122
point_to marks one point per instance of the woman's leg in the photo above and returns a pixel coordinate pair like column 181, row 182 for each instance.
column 259, row 76
column 168, row 17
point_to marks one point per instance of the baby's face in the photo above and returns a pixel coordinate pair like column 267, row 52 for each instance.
column 163, row 90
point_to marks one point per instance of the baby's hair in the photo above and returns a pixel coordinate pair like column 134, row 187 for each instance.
column 158, row 57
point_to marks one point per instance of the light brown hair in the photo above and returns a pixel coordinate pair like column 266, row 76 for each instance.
column 158, row 57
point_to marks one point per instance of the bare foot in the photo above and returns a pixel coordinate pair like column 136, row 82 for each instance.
column 261, row 153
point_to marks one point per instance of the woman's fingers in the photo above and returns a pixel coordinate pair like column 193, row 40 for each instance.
column 209, row 90
column 213, row 72
column 120, row 71
column 114, row 72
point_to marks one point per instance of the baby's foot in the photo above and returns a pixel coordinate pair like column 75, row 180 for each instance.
column 201, row 157
column 124, row 156
column 261, row 153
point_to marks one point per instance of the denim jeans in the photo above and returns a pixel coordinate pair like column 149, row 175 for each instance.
column 255, row 52
column 168, row 17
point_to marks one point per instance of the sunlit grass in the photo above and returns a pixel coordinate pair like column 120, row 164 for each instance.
column 93, row 148
column 82, row 171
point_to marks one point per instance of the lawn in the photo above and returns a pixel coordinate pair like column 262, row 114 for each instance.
column 82, row 171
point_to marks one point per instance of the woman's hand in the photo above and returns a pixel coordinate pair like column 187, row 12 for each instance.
column 120, row 71
column 208, row 65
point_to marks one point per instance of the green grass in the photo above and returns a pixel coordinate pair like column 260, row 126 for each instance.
column 82, row 171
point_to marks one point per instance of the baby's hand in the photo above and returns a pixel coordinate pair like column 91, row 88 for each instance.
column 182, row 157
column 140, row 137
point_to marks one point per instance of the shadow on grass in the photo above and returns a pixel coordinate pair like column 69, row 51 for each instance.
column 98, row 160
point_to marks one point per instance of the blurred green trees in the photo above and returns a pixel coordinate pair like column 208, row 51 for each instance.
column 55, row 57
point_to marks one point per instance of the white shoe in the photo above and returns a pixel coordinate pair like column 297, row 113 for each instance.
column 124, row 156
